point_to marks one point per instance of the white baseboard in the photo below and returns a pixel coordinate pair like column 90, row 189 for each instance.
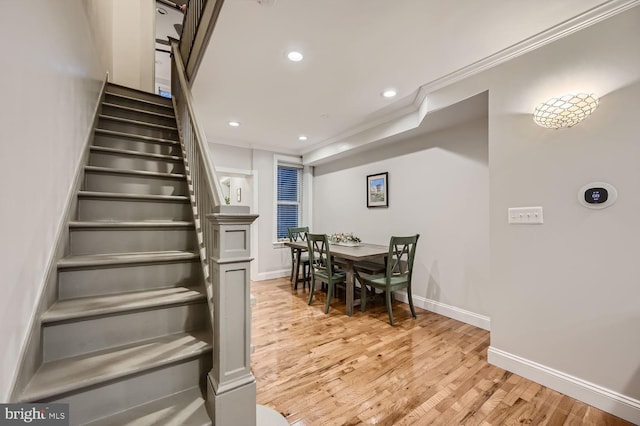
column 587, row 392
column 262, row 276
column 459, row 314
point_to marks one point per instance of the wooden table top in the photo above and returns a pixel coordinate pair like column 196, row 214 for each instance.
column 362, row 252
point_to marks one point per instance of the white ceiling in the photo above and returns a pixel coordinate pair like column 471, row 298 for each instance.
column 354, row 49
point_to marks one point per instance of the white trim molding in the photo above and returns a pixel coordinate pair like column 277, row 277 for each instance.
column 600, row 397
column 449, row 311
column 271, row 275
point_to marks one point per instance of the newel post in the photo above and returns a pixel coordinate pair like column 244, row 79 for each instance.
column 231, row 387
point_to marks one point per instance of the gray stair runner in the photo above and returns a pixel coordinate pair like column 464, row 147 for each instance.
column 128, row 340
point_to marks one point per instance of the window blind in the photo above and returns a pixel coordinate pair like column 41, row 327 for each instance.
column 289, row 199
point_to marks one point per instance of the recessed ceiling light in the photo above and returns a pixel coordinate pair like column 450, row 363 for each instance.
column 233, row 123
column 302, row 138
column 389, row 93
column 295, row 56
column 161, row 11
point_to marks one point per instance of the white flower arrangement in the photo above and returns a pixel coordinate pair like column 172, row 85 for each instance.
column 347, row 239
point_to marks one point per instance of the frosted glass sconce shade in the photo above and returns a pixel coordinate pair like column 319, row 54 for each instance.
column 566, row 111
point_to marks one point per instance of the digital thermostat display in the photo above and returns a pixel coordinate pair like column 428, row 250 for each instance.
column 597, row 195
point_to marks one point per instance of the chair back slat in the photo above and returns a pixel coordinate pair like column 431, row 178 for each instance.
column 319, row 253
column 298, row 234
column 402, row 252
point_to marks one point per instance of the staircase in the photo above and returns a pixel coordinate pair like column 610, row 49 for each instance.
column 128, row 340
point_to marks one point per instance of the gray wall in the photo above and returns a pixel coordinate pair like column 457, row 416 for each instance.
column 51, row 77
column 438, row 188
column 566, row 294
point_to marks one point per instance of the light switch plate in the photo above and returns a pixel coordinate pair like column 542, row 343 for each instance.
column 525, row 215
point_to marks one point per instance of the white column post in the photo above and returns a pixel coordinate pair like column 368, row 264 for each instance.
column 231, row 387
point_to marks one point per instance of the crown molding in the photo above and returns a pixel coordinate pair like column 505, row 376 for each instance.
column 363, row 127
column 570, row 26
column 237, row 143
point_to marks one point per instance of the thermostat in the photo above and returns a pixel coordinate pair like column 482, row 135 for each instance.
column 597, row 195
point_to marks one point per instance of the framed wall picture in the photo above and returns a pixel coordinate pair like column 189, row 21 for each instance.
column 378, row 190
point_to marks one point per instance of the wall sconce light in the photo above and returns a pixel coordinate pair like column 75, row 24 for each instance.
column 239, row 195
column 566, row 111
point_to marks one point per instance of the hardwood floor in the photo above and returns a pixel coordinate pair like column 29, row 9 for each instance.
column 319, row 369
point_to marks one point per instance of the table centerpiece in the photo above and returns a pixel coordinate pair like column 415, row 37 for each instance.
column 348, row 240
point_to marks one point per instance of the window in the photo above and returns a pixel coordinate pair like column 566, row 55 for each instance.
column 289, row 199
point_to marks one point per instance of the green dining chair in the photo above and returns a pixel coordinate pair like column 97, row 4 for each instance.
column 322, row 268
column 402, row 251
column 299, row 234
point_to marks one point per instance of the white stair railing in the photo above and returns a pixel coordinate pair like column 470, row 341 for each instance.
column 225, row 253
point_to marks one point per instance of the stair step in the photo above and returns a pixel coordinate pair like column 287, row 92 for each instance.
column 63, row 376
column 142, row 114
column 134, row 160
column 112, row 206
column 137, row 110
column 113, row 259
column 138, row 122
column 115, row 396
column 96, row 237
column 107, row 179
column 97, row 224
column 136, row 142
column 140, row 197
column 152, row 139
column 109, row 170
column 86, row 307
column 125, row 98
column 137, row 94
column 144, row 128
column 135, row 153
column 180, row 409
column 79, row 326
column 114, row 279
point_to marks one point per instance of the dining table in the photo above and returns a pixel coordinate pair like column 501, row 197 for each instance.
column 347, row 256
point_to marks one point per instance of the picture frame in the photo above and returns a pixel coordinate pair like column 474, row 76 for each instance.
column 378, row 190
